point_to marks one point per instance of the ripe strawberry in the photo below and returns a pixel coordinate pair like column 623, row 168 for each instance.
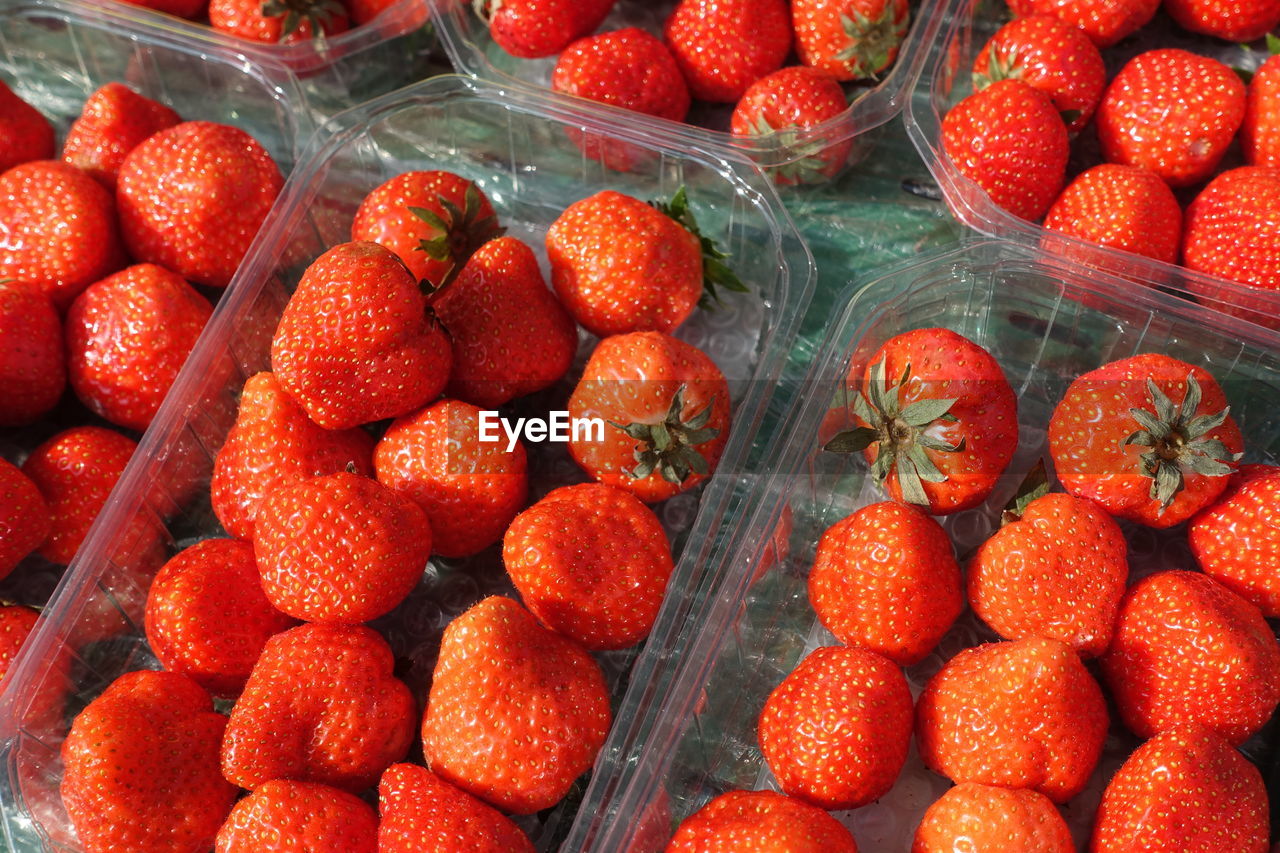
column 516, row 713
column 421, row 811
column 665, row 405
column 1183, row 791
column 1124, row 207
column 626, row 68
column 1042, row 718
column 984, row 817
column 302, row 816
column 885, row 579
column 207, row 616
column 1187, row 649
column 850, row 39
column 510, row 336
column 1056, row 58
column 1238, row 22
column 1148, row 437
column 191, row 9
column 16, row 623
column 1236, row 541
column 356, row 342
column 1009, row 139
column 115, row 120
column 362, row 12
column 273, row 444
column 1172, row 112
column 1104, row 21
column 1231, row 230
column 785, row 102
column 339, row 549
column 761, row 821
column 191, row 199
column 723, row 46
column 33, row 368
column 592, row 563
column 536, row 28
column 279, row 21
column 936, row 419
column 141, row 767
column 321, row 706
column 25, row 134
column 60, row 227
column 468, row 488
column 1260, row 131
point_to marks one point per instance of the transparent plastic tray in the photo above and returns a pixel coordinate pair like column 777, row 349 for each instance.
column 515, row 147
column 1045, row 324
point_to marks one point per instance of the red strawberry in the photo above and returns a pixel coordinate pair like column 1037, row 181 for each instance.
column 1237, row 540
column 1104, row 21
column 207, row 616
column 142, row 767
column 885, row 579
column 760, row 821
column 1148, row 437
column 626, row 68
column 302, row 816
column 33, row 368
column 516, row 713
column 510, row 336
column 850, row 39
column 279, row 21
column 339, row 549
column 790, row 100
column 1123, row 207
column 356, row 343
column 182, row 8
column 723, row 46
column 273, row 444
column 469, row 489
column 421, row 811
column 984, row 817
column 321, row 706
column 666, row 411
column 936, row 419
column 364, row 11
column 1021, row 714
column 25, row 134
column 1009, row 139
column 1172, row 112
column 1231, row 232
column 1226, row 19
column 536, row 28
column 192, row 197
column 1187, row 649
column 114, row 121
column 836, row 731
column 60, row 227
column 1183, row 791
column 1260, row 131
column 16, row 623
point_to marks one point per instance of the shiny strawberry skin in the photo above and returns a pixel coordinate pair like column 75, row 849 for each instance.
column 25, row 134
column 850, row 39
column 723, row 46
column 1231, row 231
column 1122, row 207
column 535, row 28
column 986, row 817
column 245, row 18
column 33, row 362
column 421, row 811
column 16, row 624
column 1104, row 21
column 1260, row 132
column 628, row 68
column 761, row 821
column 115, row 120
column 794, row 98
column 1236, row 540
column 1226, row 19
column 302, row 816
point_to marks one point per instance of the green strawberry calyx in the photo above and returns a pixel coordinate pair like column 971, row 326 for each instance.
column 871, row 42
column 809, row 167
column 900, row 434
column 1179, row 439
column 1001, row 65
column 486, row 9
column 715, row 273
column 318, row 13
column 669, row 446
column 460, row 232
column 1033, row 487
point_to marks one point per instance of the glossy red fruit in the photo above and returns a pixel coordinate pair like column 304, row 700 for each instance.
column 279, row 21
column 989, row 818
column 1260, row 132
column 1236, row 540
column 850, row 39
column 115, row 120
column 16, row 624
column 302, row 816
column 1225, row 19
column 25, row 521
column 1104, row 21
column 788, row 102
column 421, row 811
column 25, row 134
column 536, row 28
column 182, row 8
column 723, row 46
column 628, row 68
column 33, row 368
column 1122, row 207
column 761, row 821
column 1231, row 232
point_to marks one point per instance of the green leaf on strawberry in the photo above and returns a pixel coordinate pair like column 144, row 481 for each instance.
column 715, row 273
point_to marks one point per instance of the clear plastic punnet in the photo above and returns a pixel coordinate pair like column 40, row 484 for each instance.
column 515, row 147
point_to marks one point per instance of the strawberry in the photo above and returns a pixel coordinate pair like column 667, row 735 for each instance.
column 1124, row 207
column 885, row 579
column 1187, row 649
column 760, row 821
column 279, row 21
column 1019, row 714
column 592, row 563
column 192, row 196
column 33, row 368
column 1056, row 58
column 1172, row 112
column 128, row 335
column 510, row 336
column 1236, row 540
column 362, row 12
column 302, row 816
column 516, row 713
column 273, row 444
column 1009, row 139
column 536, row 28
column 626, row 68
column 850, row 39
column 1184, row 791
column 723, row 46
column 1148, row 437
column 141, row 767
column 25, row 134
column 339, row 549
column 207, row 616
column 936, row 419
column 191, row 9
column 1226, row 19
column 984, row 817
column 1231, row 230
column 115, row 120
column 1104, row 21
column 665, row 407
column 16, row 624
column 1260, row 131
column 421, row 811
column 60, row 227
column 785, row 102
column 356, row 343
column 321, row 706
column 469, row 489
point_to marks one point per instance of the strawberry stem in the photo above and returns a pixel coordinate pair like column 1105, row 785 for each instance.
column 668, row 446
column 460, row 232
column 316, row 12
column 1033, row 487
column 715, row 274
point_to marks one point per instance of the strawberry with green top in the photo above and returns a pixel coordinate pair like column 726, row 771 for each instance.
column 1123, row 207
column 1236, row 540
column 788, row 102
column 723, row 46
column 115, row 120
column 534, row 28
column 850, row 39
column 1260, row 132
column 761, row 821
column 25, row 134
column 279, row 21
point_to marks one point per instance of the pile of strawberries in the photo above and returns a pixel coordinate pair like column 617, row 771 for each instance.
column 274, row 21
